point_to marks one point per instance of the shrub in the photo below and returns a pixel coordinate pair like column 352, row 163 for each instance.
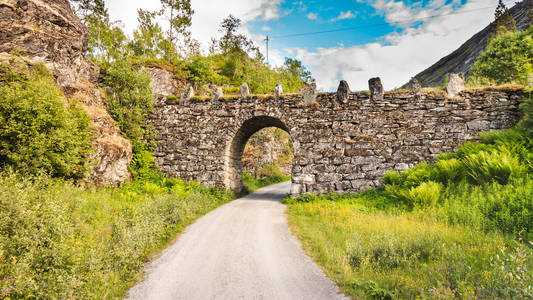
column 496, row 166
column 40, row 131
column 142, row 165
column 391, row 178
column 448, row 171
column 130, row 101
column 426, row 194
column 416, row 175
column 504, row 60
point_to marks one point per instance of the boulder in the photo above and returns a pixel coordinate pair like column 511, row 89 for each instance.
column 278, row 90
column 343, row 91
column 217, row 93
column 455, row 85
column 416, row 87
column 187, row 95
column 244, row 91
column 309, row 93
column 376, row 88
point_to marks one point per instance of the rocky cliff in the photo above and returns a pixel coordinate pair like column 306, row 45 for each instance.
column 48, row 32
column 462, row 59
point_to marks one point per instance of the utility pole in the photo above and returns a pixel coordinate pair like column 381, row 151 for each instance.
column 267, row 40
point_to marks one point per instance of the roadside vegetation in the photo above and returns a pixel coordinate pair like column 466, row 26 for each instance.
column 459, row 227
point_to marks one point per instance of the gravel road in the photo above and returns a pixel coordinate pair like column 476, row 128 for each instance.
column 242, row 250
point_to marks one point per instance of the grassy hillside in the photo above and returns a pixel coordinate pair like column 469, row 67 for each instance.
column 462, row 59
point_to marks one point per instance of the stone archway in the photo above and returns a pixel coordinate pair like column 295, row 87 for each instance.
column 235, row 148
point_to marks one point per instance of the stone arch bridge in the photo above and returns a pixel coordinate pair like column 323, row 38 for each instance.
column 342, row 141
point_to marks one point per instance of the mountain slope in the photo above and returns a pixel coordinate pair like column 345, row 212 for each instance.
column 462, row 59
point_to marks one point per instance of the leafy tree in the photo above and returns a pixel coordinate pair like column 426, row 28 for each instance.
column 40, row 132
column 296, row 69
column 130, row 102
column 148, row 38
column 231, row 41
column 179, row 16
column 508, row 59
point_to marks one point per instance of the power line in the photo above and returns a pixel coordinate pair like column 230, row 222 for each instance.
column 375, row 25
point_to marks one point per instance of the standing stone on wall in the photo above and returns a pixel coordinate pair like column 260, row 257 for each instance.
column 343, row 91
column 278, row 90
column 455, row 85
column 376, row 89
column 245, row 91
column 187, row 95
column 309, row 93
column 416, row 87
column 217, row 93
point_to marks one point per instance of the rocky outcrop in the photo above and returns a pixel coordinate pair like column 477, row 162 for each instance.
column 48, row 32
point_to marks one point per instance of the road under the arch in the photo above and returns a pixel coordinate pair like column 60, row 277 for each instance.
column 242, row 250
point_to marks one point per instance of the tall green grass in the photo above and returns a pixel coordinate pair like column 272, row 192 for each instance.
column 461, row 227
column 61, row 241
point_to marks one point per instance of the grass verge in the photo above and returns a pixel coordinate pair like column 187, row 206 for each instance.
column 58, row 240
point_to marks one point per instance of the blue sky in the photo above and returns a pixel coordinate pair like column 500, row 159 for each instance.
column 402, row 37
column 314, row 16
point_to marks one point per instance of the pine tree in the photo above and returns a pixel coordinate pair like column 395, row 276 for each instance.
column 504, row 21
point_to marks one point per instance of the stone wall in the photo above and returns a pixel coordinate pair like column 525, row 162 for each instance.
column 339, row 146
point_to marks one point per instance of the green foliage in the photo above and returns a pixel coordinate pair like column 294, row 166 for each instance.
column 130, row 101
column 526, row 124
column 508, row 59
column 39, row 130
column 143, row 165
column 61, row 241
column 496, row 166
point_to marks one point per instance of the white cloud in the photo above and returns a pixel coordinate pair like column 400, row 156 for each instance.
column 400, row 56
column 312, row 16
column 344, row 16
column 207, row 17
column 265, row 28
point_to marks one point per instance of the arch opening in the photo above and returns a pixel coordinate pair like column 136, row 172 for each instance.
column 235, row 149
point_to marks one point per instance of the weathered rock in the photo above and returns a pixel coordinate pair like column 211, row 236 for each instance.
column 455, row 85
column 416, row 87
column 376, row 89
column 343, row 91
column 278, row 90
column 217, row 93
column 48, row 32
column 187, row 95
column 244, row 91
column 309, row 93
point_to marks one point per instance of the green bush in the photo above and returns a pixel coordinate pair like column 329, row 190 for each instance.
column 415, row 176
column 40, row 131
column 130, row 102
column 448, row 171
column 507, row 59
column 496, row 166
